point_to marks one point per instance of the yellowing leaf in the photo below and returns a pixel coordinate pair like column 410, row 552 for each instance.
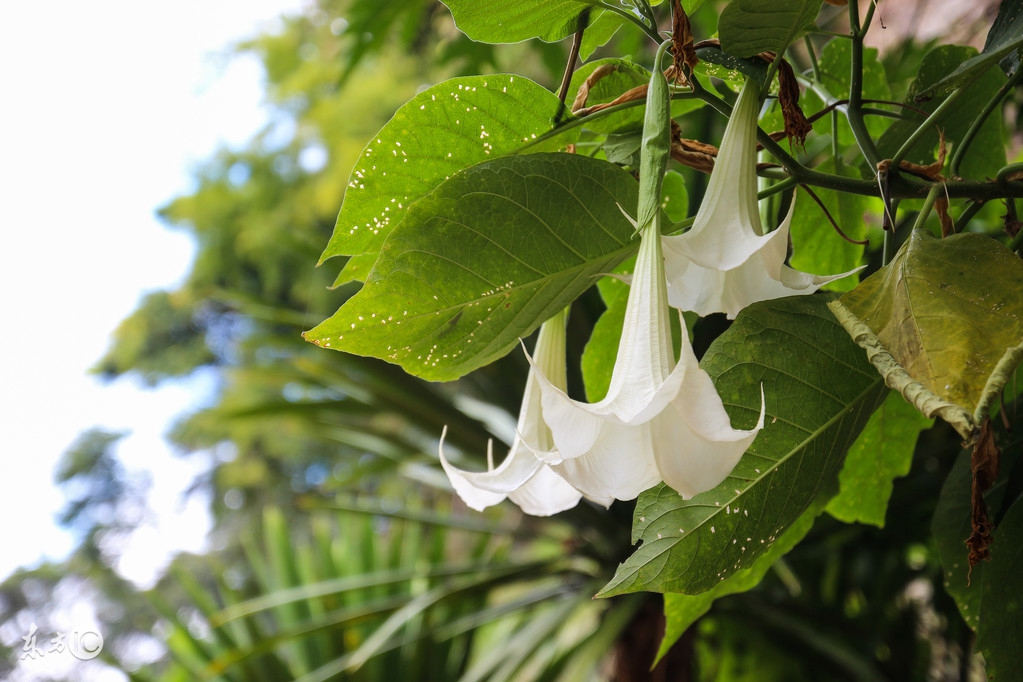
column 948, row 315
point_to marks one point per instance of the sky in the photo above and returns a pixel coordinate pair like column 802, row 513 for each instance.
column 107, row 107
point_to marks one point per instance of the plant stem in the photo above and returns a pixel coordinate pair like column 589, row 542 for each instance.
column 967, row 215
column 938, row 112
column 925, row 210
column 813, row 57
column 777, row 187
column 854, row 110
column 651, row 31
column 964, row 144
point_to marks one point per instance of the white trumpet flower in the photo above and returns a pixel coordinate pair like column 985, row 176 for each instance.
column 726, row 262
column 523, row 477
column 659, row 420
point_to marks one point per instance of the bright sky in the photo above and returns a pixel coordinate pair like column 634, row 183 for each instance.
column 106, row 107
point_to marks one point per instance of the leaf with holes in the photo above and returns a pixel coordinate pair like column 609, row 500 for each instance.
column 820, row 391
column 682, row 610
column 431, row 137
column 485, row 259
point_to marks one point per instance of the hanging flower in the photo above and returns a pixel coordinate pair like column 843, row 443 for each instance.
column 523, row 477
column 725, row 262
column 659, row 421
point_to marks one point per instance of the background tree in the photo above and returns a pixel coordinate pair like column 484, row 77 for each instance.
column 340, row 551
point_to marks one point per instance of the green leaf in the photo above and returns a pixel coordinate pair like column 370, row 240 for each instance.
column 815, row 410
column 485, row 259
column 432, row 136
column 950, row 527
column 1001, row 628
column 602, row 348
column 748, row 27
column 836, row 67
column 990, row 149
column 1004, row 39
column 682, row 610
column 1007, row 29
column 882, row 453
column 818, row 246
column 947, row 310
column 988, row 597
column 511, row 21
column 728, row 67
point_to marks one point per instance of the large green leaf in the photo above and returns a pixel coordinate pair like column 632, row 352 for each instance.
column 882, row 453
column 748, row 27
column 682, row 610
column 432, row 136
column 989, row 156
column 947, row 311
column 819, row 391
column 485, row 259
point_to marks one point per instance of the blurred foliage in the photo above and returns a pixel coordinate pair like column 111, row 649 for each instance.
column 337, row 551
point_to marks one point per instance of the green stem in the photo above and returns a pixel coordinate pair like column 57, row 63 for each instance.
column 1017, row 241
column 861, row 33
column 651, row 31
column 813, row 57
column 967, row 140
column 777, row 188
column 854, row 110
column 1006, row 171
column 967, row 215
column 938, row 112
column 925, row 210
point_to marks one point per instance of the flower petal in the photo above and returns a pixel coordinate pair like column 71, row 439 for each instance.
column 619, row 464
column 522, row 477
column 725, row 262
column 484, row 489
column 711, row 447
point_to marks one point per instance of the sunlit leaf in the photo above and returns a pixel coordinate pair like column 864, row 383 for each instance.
column 483, row 260
column 819, row 391
column 511, row 21
column 435, row 134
